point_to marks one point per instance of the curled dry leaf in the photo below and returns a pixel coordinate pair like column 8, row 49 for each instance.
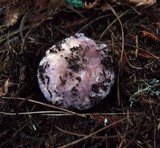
column 158, row 126
column 142, row 2
column 105, row 7
column 4, row 88
column 11, row 17
column 91, row 5
column 136, row 3
column 17, row 8
column 151, row 35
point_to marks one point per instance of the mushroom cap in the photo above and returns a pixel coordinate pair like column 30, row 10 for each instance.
column 76, row 72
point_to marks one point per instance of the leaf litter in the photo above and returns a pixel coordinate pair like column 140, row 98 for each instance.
column 128, row 117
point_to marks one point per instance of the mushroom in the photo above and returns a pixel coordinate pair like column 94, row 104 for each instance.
column 76, row 72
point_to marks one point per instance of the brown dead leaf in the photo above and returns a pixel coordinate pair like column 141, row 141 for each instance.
column 158, row 126
column 138, row 2
column 151, row 35
column 142, row 2
column 147, row 101
column 135, row 2
column 11, row 17
column 4, row 88
column 91, row 5
column 105, row 7
column 74, row 23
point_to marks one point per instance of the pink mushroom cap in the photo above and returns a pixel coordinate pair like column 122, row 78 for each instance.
column 76, row 72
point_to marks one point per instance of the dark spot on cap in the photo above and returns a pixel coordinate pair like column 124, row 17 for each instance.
column 41, row 70
column 42, row 78
column 63, row 81
column 74, row 91
column 50, row 93
column 48, row 80
column 66, row 58
column 70, row 74
column 53, row 51
column 66, row 74
column 55, row 92
column 74, row 48
column 78, row 78
column 58, row 46
column 73, row 64
column 77, row 58
column 59, row 103
column 95, row 88
column 105, row 87
column 108, row 79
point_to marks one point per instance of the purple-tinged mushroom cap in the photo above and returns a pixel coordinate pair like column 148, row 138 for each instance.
column 76, row 72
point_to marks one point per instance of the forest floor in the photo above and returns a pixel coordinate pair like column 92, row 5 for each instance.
column 128, row 117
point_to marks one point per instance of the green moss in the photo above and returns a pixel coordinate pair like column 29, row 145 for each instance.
column 75, row 3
